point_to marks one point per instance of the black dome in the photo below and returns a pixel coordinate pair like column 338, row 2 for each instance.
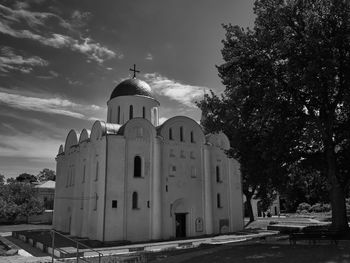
column 132, row 87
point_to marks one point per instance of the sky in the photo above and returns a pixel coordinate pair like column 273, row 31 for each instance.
column 61, row 59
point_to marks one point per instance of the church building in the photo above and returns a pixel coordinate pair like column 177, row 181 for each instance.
column 129, row 178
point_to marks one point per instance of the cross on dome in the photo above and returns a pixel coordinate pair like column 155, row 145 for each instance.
column 134, row 70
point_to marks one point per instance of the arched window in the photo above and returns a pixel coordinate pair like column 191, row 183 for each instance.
column 218, row 177
column 170, row 133
column 192, row 139
column 137, row 166
column 135, row 200
column 218, row 201
column 97, row 170
column 131, row 112
column 181, row 134
column 84, row 172
column 143, row 112
column 118, row 120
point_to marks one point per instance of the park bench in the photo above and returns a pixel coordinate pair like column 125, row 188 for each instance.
column 316, row 234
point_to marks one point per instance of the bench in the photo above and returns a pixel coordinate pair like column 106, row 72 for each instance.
column 316, row 235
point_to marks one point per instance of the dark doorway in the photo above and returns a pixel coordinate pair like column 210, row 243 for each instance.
column 180, row 221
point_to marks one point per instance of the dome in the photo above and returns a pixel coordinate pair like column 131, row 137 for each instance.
column 131, row 87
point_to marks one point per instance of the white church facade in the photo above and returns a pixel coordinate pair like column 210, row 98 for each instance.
column 130, row 178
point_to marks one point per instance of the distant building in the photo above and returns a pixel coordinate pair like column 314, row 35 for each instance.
column 274, row 209
column 132, row 179
column 46, row 193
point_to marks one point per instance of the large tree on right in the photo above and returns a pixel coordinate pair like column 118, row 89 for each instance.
column 294, row 68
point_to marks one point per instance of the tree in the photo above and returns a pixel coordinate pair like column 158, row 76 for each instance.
column 291, row 73
column 25, row 177
column 46, row 174
column 2, row 179
column 18, row 198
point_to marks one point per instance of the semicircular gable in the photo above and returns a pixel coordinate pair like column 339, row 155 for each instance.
column 71, row 140
column 60, row 150
column 98, row 130
column 189, row 125
column 84, row 135
column 138, row 127
column 219, row 140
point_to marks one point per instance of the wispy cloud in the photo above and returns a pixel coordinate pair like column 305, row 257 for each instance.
column 52, row 74
column 18, row 144
column 47, row 105
column 85, row 45
column 10, row 61
column 174, row 90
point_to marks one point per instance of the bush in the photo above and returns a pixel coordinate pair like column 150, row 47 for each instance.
column 303, row 207
column 320, row 208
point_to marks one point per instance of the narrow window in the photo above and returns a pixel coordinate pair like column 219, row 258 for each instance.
column 192, row 140
column 96, row 198
column 143, row 112
column 166, row 188
column 82, row 201
column 148, row 204
column 218, row 178
column 97, row 168
column 73, row 176
column 170, row 133
column 218, row 200
column 193, row 172
column 181, row 134
column 118, row 116
column 172, row 170
column 114, row 203
column 84, row 171
column 134, row 200
column 137, row 166
column 131, row 112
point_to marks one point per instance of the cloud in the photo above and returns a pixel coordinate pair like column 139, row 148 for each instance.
column 38, row 20
column 18, row 144
column 149, row 56
column 10, row 61
column 183, row 93
column 33, row 19
column 46, row 105
column 52, row 74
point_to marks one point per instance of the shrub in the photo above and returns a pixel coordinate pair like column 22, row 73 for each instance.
column 303, row 207
column 319, row 208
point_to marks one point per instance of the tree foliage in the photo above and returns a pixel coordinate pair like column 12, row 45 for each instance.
column 46, row 175
column 26, row 178
column 19, row 199
column 287, row 92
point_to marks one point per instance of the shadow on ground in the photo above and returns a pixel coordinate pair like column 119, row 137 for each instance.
column 259, row 252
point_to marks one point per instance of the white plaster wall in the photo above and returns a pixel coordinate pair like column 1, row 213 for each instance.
column 182, row 184
column 114, row 224
column 137, row 221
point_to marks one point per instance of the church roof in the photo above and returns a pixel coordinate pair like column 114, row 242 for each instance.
column 131, row 87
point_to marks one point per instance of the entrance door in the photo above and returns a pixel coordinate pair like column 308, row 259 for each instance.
column 180, row 221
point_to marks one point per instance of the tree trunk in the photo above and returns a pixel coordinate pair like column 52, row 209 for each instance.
column 249, row 206
column 337, row 195
column 337, row 192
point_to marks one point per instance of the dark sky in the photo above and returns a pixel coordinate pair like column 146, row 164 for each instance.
column 60, row 60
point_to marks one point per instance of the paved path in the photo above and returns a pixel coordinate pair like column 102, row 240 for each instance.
column 155, row 247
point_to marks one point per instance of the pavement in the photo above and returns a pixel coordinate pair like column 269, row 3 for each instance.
column 31, row 255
